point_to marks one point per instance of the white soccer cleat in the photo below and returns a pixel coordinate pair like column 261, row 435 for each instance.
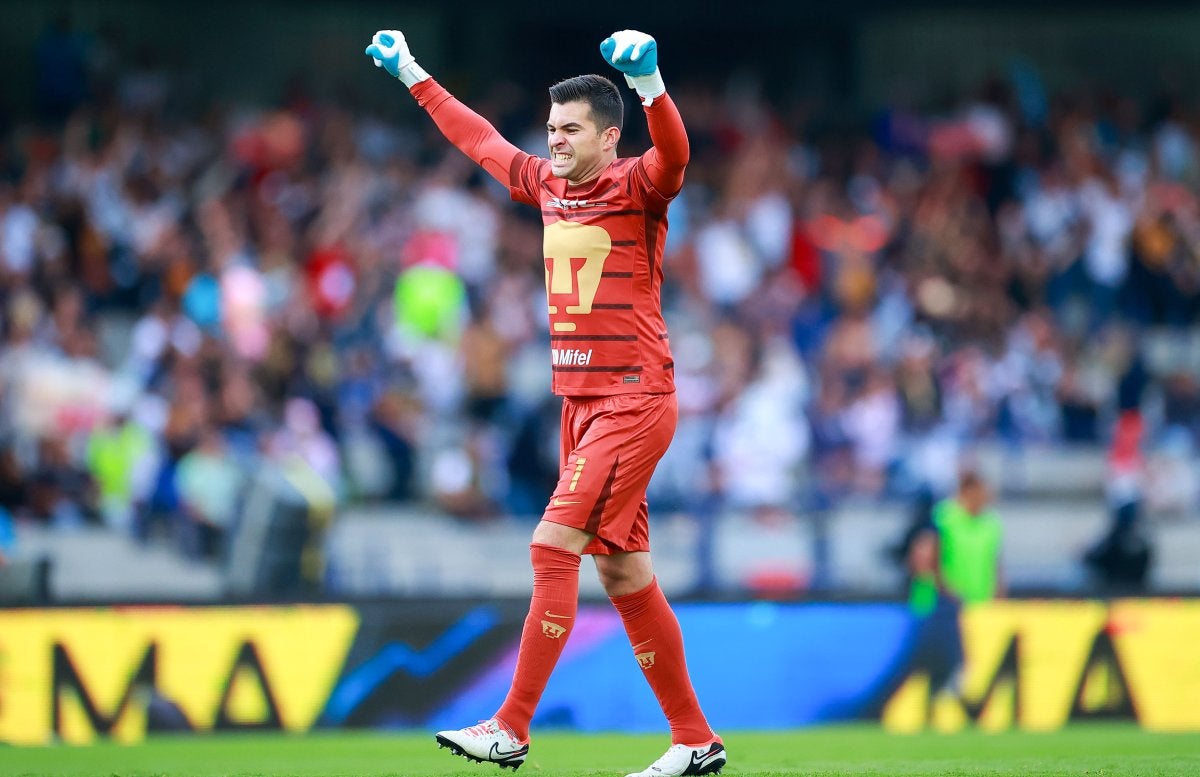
column 681, row 760
column 490, row 742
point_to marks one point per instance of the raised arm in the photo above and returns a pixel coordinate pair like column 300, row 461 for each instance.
column 666, row 160
column 467, row 130
column 635, row 54
column 470, row 132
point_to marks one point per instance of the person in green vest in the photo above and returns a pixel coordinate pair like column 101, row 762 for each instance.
column 958, row 557
column 954, row 563
column 116, row 452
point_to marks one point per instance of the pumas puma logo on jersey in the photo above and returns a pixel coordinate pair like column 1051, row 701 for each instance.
column 563, row 204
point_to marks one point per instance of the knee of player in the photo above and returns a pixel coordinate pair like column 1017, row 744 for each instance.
column 622, row 574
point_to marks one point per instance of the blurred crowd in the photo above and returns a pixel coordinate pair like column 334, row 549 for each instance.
column 192, row 297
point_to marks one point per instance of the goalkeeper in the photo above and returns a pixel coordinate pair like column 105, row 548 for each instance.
column 605, row 224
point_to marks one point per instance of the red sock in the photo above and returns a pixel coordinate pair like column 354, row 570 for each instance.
column 657, row 644
column 547, row 626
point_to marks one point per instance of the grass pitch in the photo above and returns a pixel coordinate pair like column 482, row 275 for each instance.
column 1118, row 750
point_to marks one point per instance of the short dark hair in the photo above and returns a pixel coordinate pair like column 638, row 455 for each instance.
column 970, row 478
column 598, row 92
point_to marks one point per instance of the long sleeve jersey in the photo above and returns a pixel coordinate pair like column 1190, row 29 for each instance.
column 602, row 246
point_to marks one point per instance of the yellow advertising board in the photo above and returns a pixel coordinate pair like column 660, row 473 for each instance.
column 1038, row 664
column 74, row 674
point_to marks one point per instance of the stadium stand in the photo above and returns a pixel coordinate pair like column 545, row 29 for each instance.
column 314, row 290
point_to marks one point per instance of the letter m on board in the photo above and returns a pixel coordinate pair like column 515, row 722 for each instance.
column 66, row 679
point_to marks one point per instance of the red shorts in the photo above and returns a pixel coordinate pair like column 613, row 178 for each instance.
column 610, row 447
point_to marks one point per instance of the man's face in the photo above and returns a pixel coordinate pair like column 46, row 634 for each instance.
column 578, row 149
column 974, row 498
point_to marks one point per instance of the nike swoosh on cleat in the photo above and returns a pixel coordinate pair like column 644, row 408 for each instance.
column 702, row 760
column 495, row 754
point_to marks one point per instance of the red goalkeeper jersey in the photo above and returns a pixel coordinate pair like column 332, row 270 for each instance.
column 603, row 247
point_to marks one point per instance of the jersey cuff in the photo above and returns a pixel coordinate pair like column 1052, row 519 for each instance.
column 412, row 74
column 648, row 87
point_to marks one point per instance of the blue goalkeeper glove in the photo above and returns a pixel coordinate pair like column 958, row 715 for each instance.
column 390, row 52
column 635, row 54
